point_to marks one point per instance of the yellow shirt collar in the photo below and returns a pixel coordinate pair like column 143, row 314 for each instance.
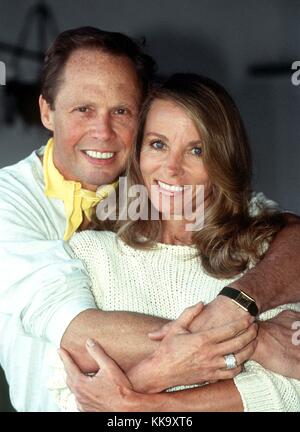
column 77, row 201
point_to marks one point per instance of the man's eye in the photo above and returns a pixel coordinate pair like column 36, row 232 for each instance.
column 197, row 151
column 82, row 109
column 157, row 145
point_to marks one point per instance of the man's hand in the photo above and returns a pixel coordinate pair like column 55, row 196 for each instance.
column 108, row 390
column 276, row 350
column 184, row 358
column 221, row 311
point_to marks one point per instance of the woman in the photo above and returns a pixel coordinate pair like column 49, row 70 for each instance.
column 190, row 135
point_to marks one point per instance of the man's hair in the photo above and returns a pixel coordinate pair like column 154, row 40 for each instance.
column 116, row 44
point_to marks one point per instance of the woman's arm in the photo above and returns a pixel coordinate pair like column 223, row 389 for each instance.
column 110, row 390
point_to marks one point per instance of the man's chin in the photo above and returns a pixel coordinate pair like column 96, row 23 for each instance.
column 93, row 184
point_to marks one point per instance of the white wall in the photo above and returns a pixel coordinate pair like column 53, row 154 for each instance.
column 214, row 37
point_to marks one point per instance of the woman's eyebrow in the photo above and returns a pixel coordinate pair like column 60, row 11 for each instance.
column 157, row 135
column 196, row 142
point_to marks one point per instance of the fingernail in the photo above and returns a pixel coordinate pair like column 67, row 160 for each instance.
column 90, row 343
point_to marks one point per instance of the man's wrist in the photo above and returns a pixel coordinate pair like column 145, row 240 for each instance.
column 248, row 289
column 241, row 299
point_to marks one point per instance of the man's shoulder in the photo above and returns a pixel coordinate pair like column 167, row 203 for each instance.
column 26, row 171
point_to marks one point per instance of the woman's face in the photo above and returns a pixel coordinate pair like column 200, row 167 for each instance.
column 171, row 158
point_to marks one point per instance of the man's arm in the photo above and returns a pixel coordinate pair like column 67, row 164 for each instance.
column 49, row 291
column 275, row 280
column 107, row 327
column 124, row 336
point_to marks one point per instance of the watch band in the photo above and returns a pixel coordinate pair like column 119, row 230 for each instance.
column 241, row 299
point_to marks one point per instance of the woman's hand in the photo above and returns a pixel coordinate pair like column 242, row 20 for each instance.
column 184, row 358
column 107, row 390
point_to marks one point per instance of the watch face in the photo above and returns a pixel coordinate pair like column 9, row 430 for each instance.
column 243, row 300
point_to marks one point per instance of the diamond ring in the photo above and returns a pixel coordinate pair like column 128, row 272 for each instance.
column 230, row 361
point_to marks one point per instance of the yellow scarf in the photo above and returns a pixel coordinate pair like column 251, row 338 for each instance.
column 76, row 200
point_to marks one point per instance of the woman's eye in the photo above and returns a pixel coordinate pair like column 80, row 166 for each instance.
column 121, row 111
column 197, row 151
column 158, row 145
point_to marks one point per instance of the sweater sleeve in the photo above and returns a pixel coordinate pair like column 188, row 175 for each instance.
column 263, row 390
column 42, row 286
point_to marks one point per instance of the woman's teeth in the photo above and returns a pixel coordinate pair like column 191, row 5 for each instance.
column 170, row 187
column 99, row 155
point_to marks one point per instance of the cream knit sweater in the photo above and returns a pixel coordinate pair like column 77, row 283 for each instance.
column 162, row 282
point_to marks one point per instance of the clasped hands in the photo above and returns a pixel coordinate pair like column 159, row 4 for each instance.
column 191, row 350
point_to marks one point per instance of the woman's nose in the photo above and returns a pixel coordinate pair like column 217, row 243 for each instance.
column 174, row 164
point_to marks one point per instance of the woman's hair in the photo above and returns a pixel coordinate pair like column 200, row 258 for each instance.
column 116, row 44
column 232, row 238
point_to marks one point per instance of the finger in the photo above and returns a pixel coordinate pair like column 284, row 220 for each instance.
column 182, row 322
column 238, row 342
column 246, row 353
column 70, row 366
column 228, row 331
column 227, row 374
column 99, row 355
column 107, row 365
column 187, row 316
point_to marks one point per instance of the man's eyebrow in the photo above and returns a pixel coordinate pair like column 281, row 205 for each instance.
column 157, row 135
column 82, row 102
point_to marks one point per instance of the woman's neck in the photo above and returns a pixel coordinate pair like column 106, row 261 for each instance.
column 174, row 232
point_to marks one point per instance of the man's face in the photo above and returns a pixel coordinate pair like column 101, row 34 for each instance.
column 94, row 117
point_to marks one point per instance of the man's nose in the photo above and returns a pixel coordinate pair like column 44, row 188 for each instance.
column 102, row 128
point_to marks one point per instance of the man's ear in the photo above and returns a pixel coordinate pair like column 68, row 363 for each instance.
column 46, row 114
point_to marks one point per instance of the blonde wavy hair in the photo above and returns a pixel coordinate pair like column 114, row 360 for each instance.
column 232, row 238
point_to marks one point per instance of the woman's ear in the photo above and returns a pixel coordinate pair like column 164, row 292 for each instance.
column 46, row 113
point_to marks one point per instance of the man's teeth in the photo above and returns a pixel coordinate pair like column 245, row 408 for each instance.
column 170, row 187
column 99, row 155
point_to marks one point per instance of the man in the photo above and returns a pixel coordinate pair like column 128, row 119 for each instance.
column 93, row 85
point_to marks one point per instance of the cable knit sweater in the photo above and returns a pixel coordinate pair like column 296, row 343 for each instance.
column 162, row 282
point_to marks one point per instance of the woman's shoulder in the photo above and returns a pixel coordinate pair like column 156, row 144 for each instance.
column 91, row 241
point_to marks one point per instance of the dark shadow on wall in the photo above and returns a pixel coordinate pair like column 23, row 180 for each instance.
column 178, row 52
column 5, row 405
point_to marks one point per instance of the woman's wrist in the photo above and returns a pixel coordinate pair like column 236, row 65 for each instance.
column 143, row 377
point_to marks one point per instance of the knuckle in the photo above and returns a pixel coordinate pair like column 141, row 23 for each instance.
column 203, row 339
column 245, row 322
column 253, row 332
column 77, row 384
